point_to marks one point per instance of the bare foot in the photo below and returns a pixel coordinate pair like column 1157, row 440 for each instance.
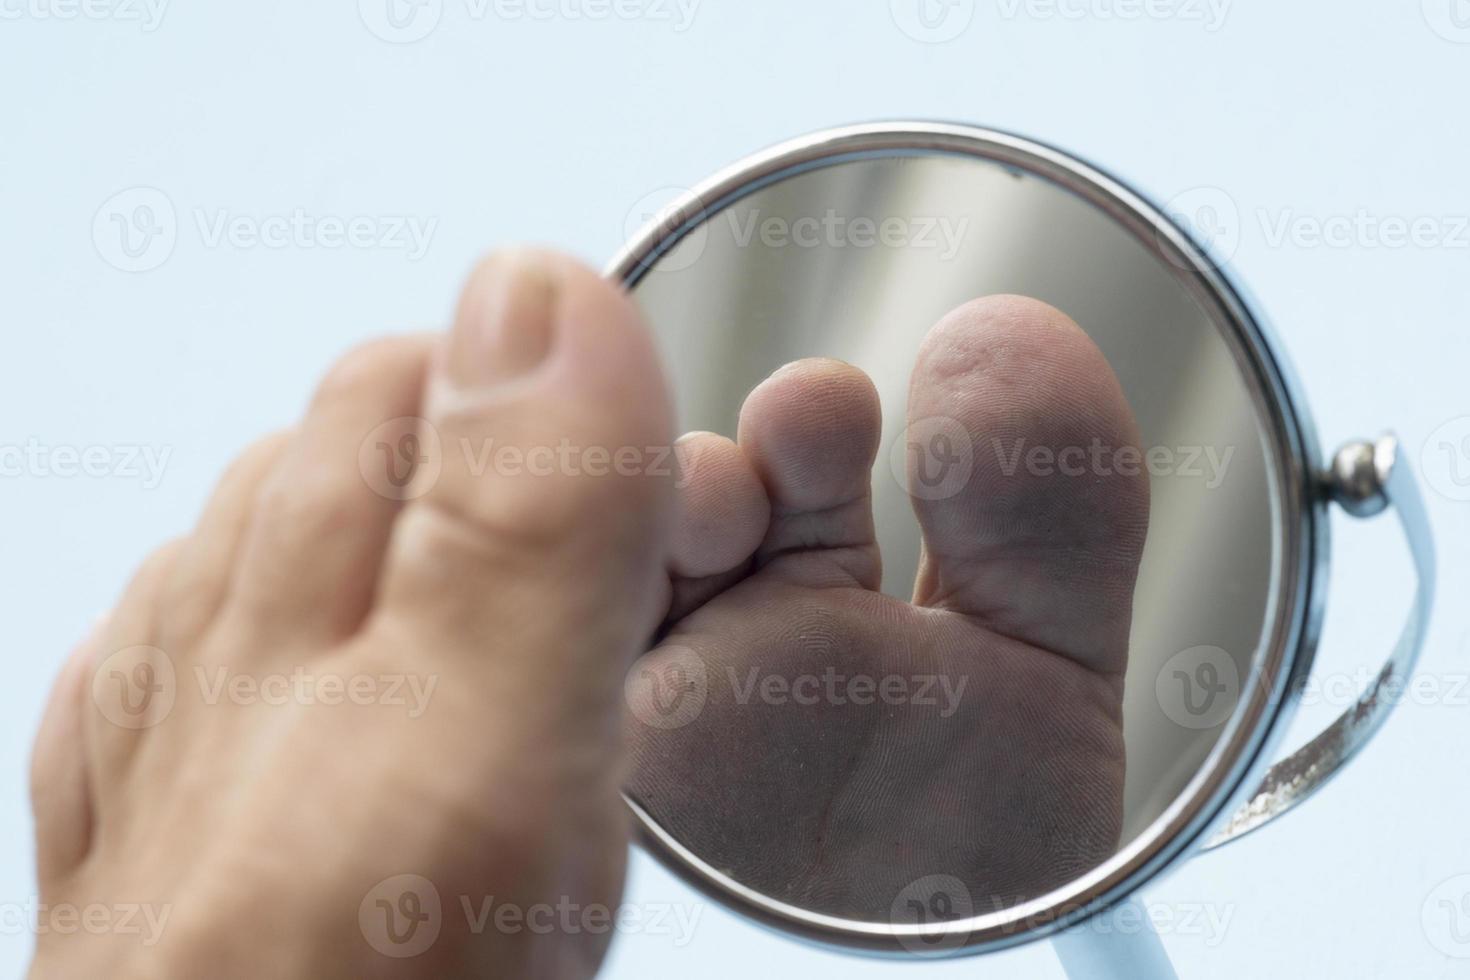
column 383, row 676
column 830, row 745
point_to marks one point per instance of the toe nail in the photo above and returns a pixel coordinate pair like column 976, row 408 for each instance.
column 504, row 325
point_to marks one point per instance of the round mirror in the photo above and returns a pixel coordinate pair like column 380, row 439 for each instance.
column 1008, row 530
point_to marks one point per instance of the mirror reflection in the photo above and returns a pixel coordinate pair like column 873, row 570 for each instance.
column 976, row 544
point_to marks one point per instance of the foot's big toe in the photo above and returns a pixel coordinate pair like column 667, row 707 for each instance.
column 1042, row 535
column 537, row 520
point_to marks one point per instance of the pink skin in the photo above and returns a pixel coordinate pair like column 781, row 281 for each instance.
column 1023, row 596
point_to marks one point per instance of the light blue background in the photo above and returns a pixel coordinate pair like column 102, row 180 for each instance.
column 508, row 128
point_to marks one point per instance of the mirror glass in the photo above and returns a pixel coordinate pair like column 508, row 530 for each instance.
column 1071, row 496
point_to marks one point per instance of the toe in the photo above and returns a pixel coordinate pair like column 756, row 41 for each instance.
column 201, row 577
column 811, row 431
column 310, row 560
column 721, row 517
column 60, row 790
column 722, row 510
column 130, row 677
column 539, row 542
column 1041, row 535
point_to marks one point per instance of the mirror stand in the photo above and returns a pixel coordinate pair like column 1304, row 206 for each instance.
column 1088, row 953
column 1365, row 479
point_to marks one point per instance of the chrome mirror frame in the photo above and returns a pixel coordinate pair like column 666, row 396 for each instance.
column 1237, row 789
